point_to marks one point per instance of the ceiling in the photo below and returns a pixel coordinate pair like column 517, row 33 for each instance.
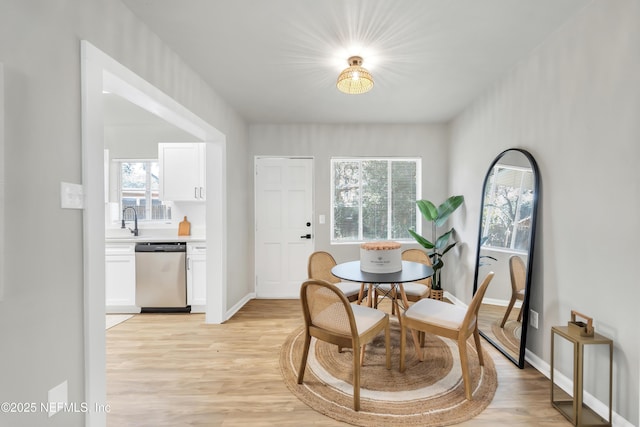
column 276, row 61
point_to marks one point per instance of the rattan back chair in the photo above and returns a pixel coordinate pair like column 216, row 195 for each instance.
column 449, row 321
column 329, row 317
column 319, row 267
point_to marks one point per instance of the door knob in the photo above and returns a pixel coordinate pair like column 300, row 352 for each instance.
column 306, row 236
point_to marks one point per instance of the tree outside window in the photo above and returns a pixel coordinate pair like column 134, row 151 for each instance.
column 374, row 199
column 508, row 207
column 139, row 188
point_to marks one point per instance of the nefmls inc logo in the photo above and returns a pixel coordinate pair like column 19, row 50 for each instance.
column 73, row 407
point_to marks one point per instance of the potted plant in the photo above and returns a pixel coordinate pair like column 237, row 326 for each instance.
column 437, row 216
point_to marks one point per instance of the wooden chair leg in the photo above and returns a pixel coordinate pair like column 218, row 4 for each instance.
column 362, row 349
column 403, row 345
column 305, row 354
column 506, row 315
column 387, row 343
column 520, row 315
column 416, row 343
column 476, row 338
column 462, row 346
column 356, row 378
column 394, row 300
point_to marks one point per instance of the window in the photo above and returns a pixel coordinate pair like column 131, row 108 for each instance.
column 139, row 188
column 507, row 208
column 374, row 199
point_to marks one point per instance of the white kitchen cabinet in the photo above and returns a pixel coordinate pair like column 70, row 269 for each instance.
column 197, row 276
column 120, row 278
column 182, row 171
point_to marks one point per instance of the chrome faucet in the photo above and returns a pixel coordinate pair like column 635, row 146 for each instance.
column 135, row 220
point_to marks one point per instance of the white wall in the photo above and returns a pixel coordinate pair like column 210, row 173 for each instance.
column 239, row 214
column 41, row 316
column 574, row 105
column 323, row 141
column 2, row 183
column 141, row 142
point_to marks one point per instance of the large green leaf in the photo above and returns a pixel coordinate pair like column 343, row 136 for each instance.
column 448, row 248
column 428, row 209
column 447, row 208
column 421, row 240
column 442, row 240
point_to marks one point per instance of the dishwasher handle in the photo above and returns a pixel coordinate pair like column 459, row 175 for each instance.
column 162, row 247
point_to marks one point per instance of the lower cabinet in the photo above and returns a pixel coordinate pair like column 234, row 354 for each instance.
column 120, row 278
column 197, row 276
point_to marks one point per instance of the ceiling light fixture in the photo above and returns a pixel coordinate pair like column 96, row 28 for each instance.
column 355, row 79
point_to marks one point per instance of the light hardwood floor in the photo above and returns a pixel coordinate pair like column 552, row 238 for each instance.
column 175, row 370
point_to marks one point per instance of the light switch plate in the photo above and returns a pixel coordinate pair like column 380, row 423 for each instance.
column 71, row 196
column 58, row 397
column 533, row 318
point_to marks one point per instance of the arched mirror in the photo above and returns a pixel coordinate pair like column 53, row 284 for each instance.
column 505, row 246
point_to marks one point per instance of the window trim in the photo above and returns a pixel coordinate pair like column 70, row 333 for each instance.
column 147, row 192
column 418, row 196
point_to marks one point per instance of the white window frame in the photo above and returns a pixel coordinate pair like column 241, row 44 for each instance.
column 149, row 200
column 418, row 221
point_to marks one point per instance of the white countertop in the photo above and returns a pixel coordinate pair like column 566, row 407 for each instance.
column 147, row 234
column 134, row 239
column 141, row 239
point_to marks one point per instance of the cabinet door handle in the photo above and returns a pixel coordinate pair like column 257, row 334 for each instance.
column 195, row 192
column 201, row 195
column 188, row 263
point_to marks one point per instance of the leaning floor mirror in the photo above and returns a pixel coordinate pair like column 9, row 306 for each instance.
column 505, row 246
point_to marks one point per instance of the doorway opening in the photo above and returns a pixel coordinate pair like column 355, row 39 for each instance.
column 99, row 73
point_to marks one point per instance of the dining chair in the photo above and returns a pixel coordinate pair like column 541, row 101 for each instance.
column 517, row 271
column 414, row 291
column 329, row 317
column 449, row 321
column 319, row 267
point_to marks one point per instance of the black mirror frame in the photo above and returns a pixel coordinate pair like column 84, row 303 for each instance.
column 534, row 216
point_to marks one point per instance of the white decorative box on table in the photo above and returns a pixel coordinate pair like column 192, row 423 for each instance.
column 380, row 257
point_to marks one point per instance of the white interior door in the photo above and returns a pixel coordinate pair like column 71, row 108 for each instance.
column 284, row 235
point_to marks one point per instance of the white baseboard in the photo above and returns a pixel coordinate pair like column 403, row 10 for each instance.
column 566, row 384
column 501, row 302
column 454, row 300
column 198, row 308
column 563, row 382
column 122, row 309
column 233, row 310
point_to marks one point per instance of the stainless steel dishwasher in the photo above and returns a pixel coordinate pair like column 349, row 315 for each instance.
column 161, row 277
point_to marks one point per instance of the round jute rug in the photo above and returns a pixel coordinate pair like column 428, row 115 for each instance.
column 509, row 336
column 429, row 393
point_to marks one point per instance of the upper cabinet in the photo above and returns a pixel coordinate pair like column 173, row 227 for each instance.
column 182, row 171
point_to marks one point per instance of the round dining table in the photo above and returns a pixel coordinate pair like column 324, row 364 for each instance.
column 411, row 272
